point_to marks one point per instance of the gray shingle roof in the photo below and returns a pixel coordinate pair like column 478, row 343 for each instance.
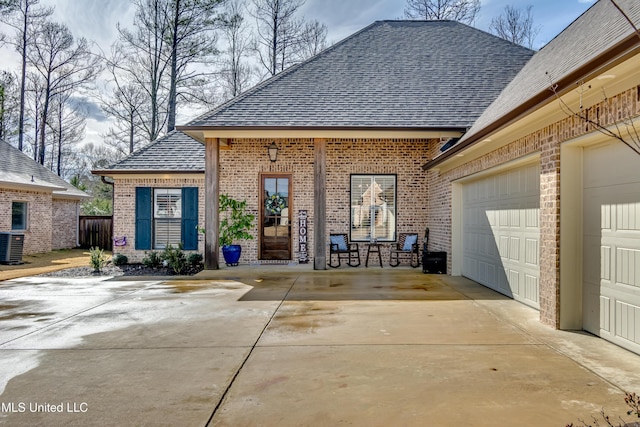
column 174, row 152
column 391, row 74
column 19, row 169
column 594, row 32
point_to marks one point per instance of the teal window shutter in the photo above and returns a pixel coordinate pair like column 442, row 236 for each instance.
column 190, row 218
column 144, row 218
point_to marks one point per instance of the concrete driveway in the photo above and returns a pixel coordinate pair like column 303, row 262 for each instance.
column 287, row 346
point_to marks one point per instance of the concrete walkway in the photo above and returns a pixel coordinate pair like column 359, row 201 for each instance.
column 286, row 346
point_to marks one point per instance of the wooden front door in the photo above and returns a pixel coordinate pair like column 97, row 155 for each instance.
column 275, row 217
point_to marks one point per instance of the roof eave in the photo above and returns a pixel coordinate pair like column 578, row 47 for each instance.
column 109, row 172
column 615, row 55
column 198, row 132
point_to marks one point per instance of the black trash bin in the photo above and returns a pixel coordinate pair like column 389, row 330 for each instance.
column 11, row 245
column 432, row 262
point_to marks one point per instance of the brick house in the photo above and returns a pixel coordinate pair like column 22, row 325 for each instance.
column 37, row 203
column 360, row 114
column 461, row 133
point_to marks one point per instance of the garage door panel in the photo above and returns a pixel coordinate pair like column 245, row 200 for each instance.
column 532, row 287
column 531, row 252
column 507, row 254
column 628, row 321
column 628, row 266
column 611, row 244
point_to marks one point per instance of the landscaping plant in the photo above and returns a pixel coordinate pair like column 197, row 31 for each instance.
column 633, row 402
column 97, row 259
column 175, row 258
column 152, row 260
column 119, row 259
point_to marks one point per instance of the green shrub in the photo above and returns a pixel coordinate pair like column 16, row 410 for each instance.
column 175, row 258
column 194, row 259
column 119, row 259
column 97, row 259
column 152, row 259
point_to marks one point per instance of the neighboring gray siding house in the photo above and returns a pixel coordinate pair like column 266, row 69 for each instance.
column 38, row 203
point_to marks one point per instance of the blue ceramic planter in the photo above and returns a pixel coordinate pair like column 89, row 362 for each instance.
column 231, row 254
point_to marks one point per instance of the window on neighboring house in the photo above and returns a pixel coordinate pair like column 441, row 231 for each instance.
column 19, row 215
column 373, row 207
column 166, row 216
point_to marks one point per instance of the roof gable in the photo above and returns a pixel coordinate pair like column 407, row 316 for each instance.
column 20, row 170
column 391, row 74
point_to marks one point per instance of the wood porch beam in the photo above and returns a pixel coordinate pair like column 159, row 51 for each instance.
column 211, row 203
column 319, row 203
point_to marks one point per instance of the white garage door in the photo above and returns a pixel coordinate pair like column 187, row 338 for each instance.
column 501, row 232
column 611, row 255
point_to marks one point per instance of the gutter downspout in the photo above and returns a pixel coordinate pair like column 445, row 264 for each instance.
column 112, row 184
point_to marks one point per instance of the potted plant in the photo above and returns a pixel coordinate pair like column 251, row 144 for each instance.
column 235, row 223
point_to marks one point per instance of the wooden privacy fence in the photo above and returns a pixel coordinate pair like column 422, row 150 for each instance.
column 96, row 231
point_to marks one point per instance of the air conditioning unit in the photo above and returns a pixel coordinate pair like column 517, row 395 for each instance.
column 11, row 245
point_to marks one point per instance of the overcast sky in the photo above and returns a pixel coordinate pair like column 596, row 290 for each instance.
column 96, row 20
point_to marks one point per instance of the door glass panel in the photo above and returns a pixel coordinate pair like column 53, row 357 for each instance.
column 276, row 226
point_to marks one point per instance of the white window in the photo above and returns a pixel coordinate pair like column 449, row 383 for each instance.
column 373, row 207
column 167, row 217
column 19, row 215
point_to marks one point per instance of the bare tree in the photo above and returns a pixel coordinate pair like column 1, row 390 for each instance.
column 609, row 118
column 516, row 26
column 455, row 10
column 67, row 124
column 23, row 16
column 313, row 39
column 276, row 30
column 63, row 65
column 9, row 105
column 141, row 58
column 192, row 40
column 127, row 105
column 235, row 71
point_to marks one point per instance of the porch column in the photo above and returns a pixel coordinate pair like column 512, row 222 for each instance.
column 211, row 189
column 319, row 203
column 550, row 230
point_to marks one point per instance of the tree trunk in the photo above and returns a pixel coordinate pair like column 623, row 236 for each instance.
column 171, row 119
column 274, row 46
column 60, row 140
column 23, row 77
column 43, row 124
column 131, row 132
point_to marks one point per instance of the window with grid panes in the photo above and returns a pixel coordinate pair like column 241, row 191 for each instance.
column 167, row 216
column 373, row 208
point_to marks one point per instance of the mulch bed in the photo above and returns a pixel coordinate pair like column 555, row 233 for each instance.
column 123, row 270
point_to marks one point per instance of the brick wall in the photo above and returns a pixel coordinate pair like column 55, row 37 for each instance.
column 65, row 223
column 403, row 157
column 241, row 167
column 124, row 212
column 39, row 215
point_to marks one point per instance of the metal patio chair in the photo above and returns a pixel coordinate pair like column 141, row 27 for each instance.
column 340, row 246
column 406, row 249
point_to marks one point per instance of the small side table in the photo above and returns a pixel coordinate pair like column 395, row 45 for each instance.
column 373, row 248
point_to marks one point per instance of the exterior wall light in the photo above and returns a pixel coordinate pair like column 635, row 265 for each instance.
column 273, row 152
